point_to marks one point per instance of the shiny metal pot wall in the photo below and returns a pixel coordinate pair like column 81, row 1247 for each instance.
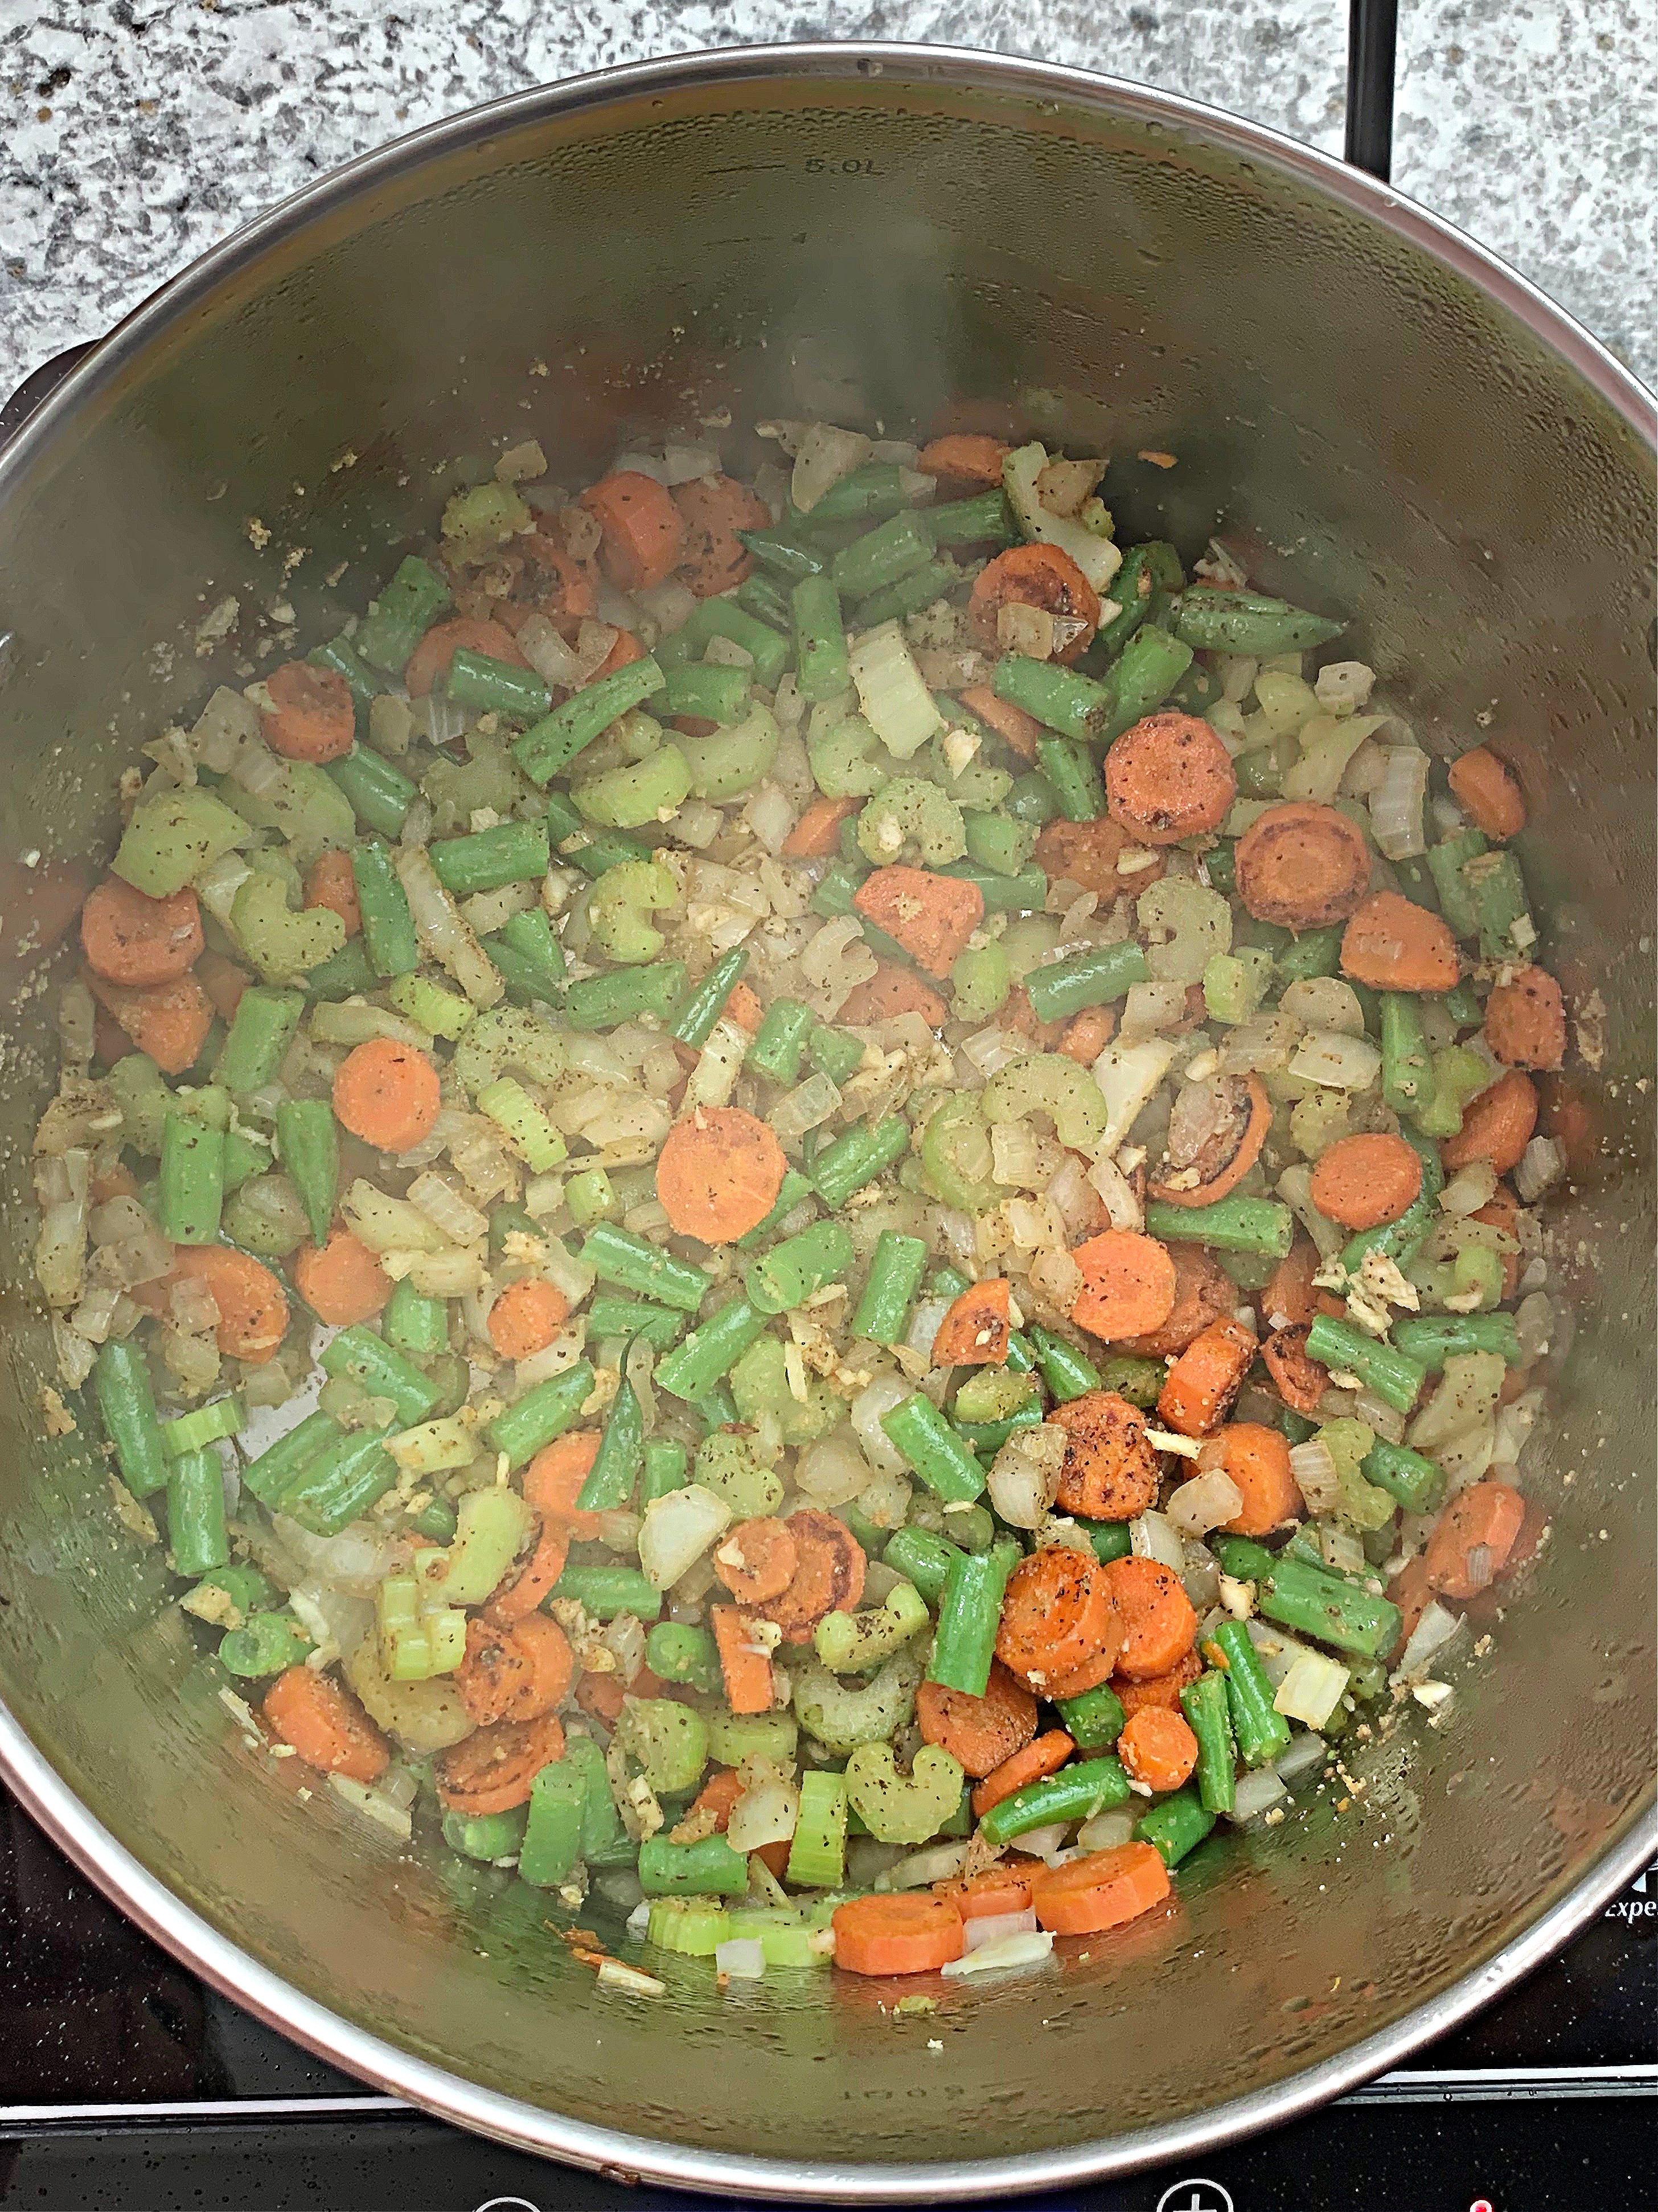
column 1416, row 438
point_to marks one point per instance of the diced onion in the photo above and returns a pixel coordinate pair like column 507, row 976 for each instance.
column 1468, row 1189
column 1008, row 1952
column 1258, row 1793
column 874, row 1399
column 823, row 456
column 1153, row 1536
column 1324, row 1002
column 442, row 933
column 1024, row 1476
column 990, row 1927
column 1304, row 1753
column 1207, row 1501
column 1398, row 801
column 765, row 1812
column 1042, row 1842
column 938, row 1863
column 1340, row 1062
column 1312, row 1689
column 1541, row 1166
column 741, row 1959
column 833, row 1471
column 1314, row 1470
column 1434, row 1631
column 677, row 1529
column 1107, row 1830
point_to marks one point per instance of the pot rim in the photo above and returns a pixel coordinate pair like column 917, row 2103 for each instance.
column 194, row 1941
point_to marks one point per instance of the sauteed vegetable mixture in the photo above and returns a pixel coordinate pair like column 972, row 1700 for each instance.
column 813, row 1204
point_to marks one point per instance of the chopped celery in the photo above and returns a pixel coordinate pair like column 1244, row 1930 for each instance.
column 173, row 836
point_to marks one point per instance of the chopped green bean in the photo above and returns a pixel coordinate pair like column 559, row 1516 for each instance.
column 618, row 1256
column 1093, row 978
column 1093, row 1718
column 495, row 687
column 969, row 1613
column 549, row 747
column 310, row 1141
column 542, row 1413
column 1208, row 1717
column 1303, row 1597
column 1177, row 1824
column 1216, row 621
column 1077, row 1792
column 798, row 1267
column 280, row 1464
column 126, row 1399
column 367, row 1358
column 693, row 1023
column 485, row 860
column 1232, row 1224
column 858, row 1157
column 1432, row 1338
column 1260, row 1730
column 341, row 1482
column 388, row 927
column 711, row 1351
column 380, row 795
column 604, row 1002
column 192, row 1179
column 895, row 1277
column 1393, row 1375
column 823, row 669
column 933, row 1448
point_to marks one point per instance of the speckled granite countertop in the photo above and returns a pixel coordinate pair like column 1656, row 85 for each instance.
column 133, row 133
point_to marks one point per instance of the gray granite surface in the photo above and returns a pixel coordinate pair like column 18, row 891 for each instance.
column 133, row 133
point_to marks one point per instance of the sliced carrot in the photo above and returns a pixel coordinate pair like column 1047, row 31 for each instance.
column 1301, row 1382
column 492, row 1770
column 711, row 510
column 1040, row 1759
column 1363, row 1181
column 1018, row 1015
column 1203, row 1383
column 344, row 1282
column 828, row 1574
column 387, row 1094
column 1040, row 576
column 1488, row 791
column 515, row 1673
column 1087, row 1676
column 626, row 649
column 1301, row 867
column 718, row 1174
column 1109, row 1472
column 431, row 656
column 1128, row 1285
column 931, row 916
column 1257, row 1459
column 130, row 939
column 1087, row 1035
column 644, row 531
column 253, row 1304
column 980, row 1732
column 744, row 1007
column 1410, row 1590
column 168, row 1021
column 1483, row 1518
column 746, row 1664
column 332, row 884
column 907, row 1932
column 526, row 1317
column 890, row 991
column 1228, row 1154
column 223, row 981
column 757, row 1559
column 558, row 585
column 974, row 1331
column 963, row 462
column 553, row 1481
column 1525, row 1020
column 719, row 1795
column 1159, row 1626
column 521, row 1589
column 1058, row 1616
column 1158, row 1689
column 1086, row 854
column 312, row 716
column 996, row 1890
column 1292, row 1298
column 1496, row 1126
column 1169, row 777
column 817, row 832
column 1157, row 1748
column 327, row 1728
column 1392, row 944
column 1016, row 729
column 1100, row 1890
column 1204, row 1293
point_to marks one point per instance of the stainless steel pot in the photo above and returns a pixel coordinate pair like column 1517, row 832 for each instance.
column 1419, row 437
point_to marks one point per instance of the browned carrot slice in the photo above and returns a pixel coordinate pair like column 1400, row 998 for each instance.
column 1086, row 854
column 1012, row 724
column 1525, row 1020
column 526, row 1317
column 1110, row 1471
column 553, row 1481
column 1489, row 791
column 431, row 656
column 644, row 531
column 1041, row 576
column 1157, row 1748
column 1128, row 1285
column 1299, row 1380
column 130, row 939
column 718, row 1174
column 719, row 1795
column 311, row 716
column 253, row 1304
column 1205, row 1380
column 515, row 1673
column 1158, row 1689
column 1257, row 1459
column 168, row 1021
column 1204, row 1293
column 1363, row 1181
column 907, row 1932
column 522, row 1589
column 327, row 1728
column 343, row 1281
column 890, row 991
column 744, row 1661
column 1392, row 944
column 1046, row 1756
column 829, row 1575
column 980, row 1732
column 818, row 830
column 758, row 1559
column 713, row 509
column 1241, row 1114
column 1057, row 1617
column 931, row 916
column 1159, row 1626
column 1292, row 1298
column 996, row 1890
column 1496, row 1126
column 492, row 1771
column 963, row 461
column 1301, row 867
column 975, row 1330
column 1169, row 777
column 332, row 884
column 1473, row 1537
column 387, row 1094
column 1100, row 1890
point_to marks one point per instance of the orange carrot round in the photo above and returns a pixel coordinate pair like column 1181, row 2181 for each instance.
column 1038, row 1759
column 526, row 1317
column 1301, row 867
column 744, row 1661
column 1394, row 946
column 1204, row 1293
column 644, row 531
column 998, row 1889
column 1159, row 1625
column 931, row 916
column 1525, row 1020
column 1088, row 1034
column 756, row 1560
column 817, row 832
column 253, row 1304
column 1227, row 1155
column 1128, row 1285
column 626, row 649
column 343, row 1281
column 1157, row 1748
column 1363, row 1181
column 1301, row 1382
column 1017, row 730
column 492, row 1771
column 1496, row 1126
column 168, row 1021
column 1485, row 1517
column 332, row 884
column 1109, row 1472
column 1100, row 1890
column 386, row 1094
column 326, row 1729
column 1488, row 791
column 711, row 510
column 130, row 939
column 1257, row 1459
column 1158, row 1689
column 515, row 1673
column 521, row 1589
column 431, row 656
column 1040, row 576
column 1086, row 854
column 1169, row 777
column 718, row 1174
column 974, row 1331
column 909, row 1932
column 311, row 716
column 892, row 990
column 980, row 1732
column 828, row 1574
column 1200, row 1387
column 553, row 1481
column 963, row 462
column 1058, row 1616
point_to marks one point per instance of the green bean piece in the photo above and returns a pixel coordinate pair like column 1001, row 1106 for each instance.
column 552, row 1845
column 401, row 615
column 780, row 1046
column 922, row 1557
column 549, row 747
column 1432, row 1338
column 126, row 1399
column 1208, row 1717
column 310, row 1141
column 984, row 519
column 714, row 693
column 437, row 1519
column 1215, row 621
column 858, row 1157
column 1073, row 776
column 1307, row 1599
column 895, row 1277
column 1060, row 700
column 1445, row 865
column 367, row 1358
column 416, row 1323
column 986, row 1438
column 1498, row 890
column 495, row 687
column 388, row 927
column 1066, row 1372
column 280, row 1464
column 380, row 795
column 604, row 1002
column 265, row 1643
column 196, row 1529
column 836, row 1052
column 1407, row 1078
column 823, row 668
column 1241, row 1558
column 485, row 860
column 340, row 657
column 661, row 1327
column 1393, row 1375
column 726, row 619
column 542, row 1413
column 1232, row 1224
column 969, row 1613
column 604, row 1841
column 711, row 1351
column 760, row 596
column 835, row 891
column 202, row 1426
column 191, row 1180
column 1177, row 1824
column 487, row 1837
column 1093, row 1718
column 1416, row 1482
column 1260, row 1730
column 1111, row 1540
column 527, row 951
column 1093, row 978
column 243, row 1156
column 921, row 588
column 344, row 974
column 1139, row 1381
column 1024, row 892
column 679, row 1653
column 710, row 1869
column 798, row 1267
column 341, row 1482
column 607, row 1591
column 667, row 1468
column 784, row 553
column 934, row 1450
column 618, row 1256
column 1463, row 1006
column 881, row 556
column 1152, row 663
column 261, row 1030
column 877, row 488
column 1075, row 1793
column 719, row 1411
column 620, row 1459
column 1314, row 952
column 1148, row 574
column 1033, row 799
column 702, row 1007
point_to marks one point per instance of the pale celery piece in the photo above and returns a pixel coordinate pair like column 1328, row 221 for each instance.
column 173, row 836
column 512, row 1110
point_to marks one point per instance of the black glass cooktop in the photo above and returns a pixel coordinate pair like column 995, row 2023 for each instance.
column 124, row 2082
